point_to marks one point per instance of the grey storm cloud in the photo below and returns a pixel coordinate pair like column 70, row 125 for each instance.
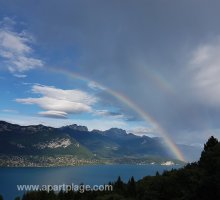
column 143, row 49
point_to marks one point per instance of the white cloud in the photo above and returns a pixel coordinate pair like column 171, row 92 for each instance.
column 59, row 103
column 15, row 48
column 143, row 131
column 107, row 113
column 14, row 43
column 69, row 95
column 53, row 114
column 20, row 75
column 205, row 69
column 95, row 86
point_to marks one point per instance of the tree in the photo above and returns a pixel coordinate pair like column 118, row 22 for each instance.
column 1, row 197
column 119, row 183
column 132, row 187
column 196, row 181
column 210, row 144
column 210, row 155
column 157, row 173
column 119, row 186
column 61, row 195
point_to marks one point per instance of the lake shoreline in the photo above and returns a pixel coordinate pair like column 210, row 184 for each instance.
column 68, row 160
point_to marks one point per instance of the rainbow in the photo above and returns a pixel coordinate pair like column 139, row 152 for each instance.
column 122, row 98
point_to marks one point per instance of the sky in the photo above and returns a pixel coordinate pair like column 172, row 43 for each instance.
column 104, row 63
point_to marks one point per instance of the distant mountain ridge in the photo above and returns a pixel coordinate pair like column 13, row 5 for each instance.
column 116, row 142
column 38, row 140
column 77, row 141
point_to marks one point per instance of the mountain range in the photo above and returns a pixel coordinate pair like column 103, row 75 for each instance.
column 40, row 140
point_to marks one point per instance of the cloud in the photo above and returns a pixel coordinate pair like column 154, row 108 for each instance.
column 60, row 103
column 9, row 111
column 123, row 50
column 107, row 113
column 205, row 69
column 20, row 75
column 69, row 95
column 95, row 86
column 143, row 131
column 15, row 48
column 53, row 114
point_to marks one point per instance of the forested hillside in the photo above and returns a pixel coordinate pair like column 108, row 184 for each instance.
column 196, row 181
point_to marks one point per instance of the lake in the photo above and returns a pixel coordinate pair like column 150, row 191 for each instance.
column 90, row 174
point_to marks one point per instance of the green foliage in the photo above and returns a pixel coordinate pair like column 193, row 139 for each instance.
column 196, row 181
column 210, row 144
column 1, row 197
column 131, row 187
column 113, row 145
column 209, row 160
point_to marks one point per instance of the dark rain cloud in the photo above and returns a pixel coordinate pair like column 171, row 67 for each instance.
column 139, row 48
